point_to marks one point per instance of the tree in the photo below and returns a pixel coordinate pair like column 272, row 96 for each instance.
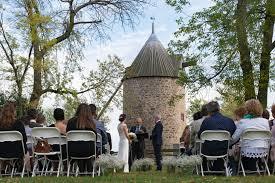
column 230, row 43
column 43, row 27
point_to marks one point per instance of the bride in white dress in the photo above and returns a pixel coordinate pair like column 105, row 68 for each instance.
column 123, row 151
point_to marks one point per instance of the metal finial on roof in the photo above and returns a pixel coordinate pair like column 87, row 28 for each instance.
column 153, row 24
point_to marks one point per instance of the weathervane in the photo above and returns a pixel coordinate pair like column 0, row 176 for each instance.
column 153, row 24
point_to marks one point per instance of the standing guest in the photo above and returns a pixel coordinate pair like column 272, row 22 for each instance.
column 83, row 120
column 253, row 119
column 157, row 140
column 100, row 129
column 60, row 122
column 8, row 122
column 196, row 125
column 139, row 146
column 124, row 139
column 216, row 121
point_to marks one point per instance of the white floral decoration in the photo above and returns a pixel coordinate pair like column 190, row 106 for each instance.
column 107, row 161
column 143, row 164
column 181, row 162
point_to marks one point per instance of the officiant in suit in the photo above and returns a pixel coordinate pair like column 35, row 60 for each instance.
column 157, row 140
column 139, row 146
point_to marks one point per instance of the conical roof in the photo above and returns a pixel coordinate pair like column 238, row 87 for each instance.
column 153, row 61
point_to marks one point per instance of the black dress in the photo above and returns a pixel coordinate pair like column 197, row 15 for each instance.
column 80, row 148
column 13, row 149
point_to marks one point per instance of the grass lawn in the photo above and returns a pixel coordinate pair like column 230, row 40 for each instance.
column 144, row 177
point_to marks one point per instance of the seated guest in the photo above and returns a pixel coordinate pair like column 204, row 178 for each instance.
column 83, row 120
column 216, row 121
column 60, row 122
column 239, row 114
column 109, row 141
column 8, row 122
column 252, row 120
column 266, row 114
column 100, row 129
column 29, row 121
column 234, row 151
column 272, row 151
column 272, row 122
column 185, row 141
column 196, row 125
column 41, row 120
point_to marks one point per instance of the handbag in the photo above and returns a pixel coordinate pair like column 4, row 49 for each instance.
column 42, row 146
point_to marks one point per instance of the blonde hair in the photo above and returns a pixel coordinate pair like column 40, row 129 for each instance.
column 254, row 107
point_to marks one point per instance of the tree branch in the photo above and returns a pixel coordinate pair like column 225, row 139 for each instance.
column 27, row 65
column 272, row 45
column 88, row 22
column 71, row 23
column 6, row 39
column 223, row 67
column 109, row 101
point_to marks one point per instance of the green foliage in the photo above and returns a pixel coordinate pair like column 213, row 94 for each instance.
column 195, row 106
column 209, row 39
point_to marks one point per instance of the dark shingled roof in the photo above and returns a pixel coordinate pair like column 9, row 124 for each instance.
column 153, row 61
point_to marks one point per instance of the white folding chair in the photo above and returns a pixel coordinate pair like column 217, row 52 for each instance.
column 250, row 135
column 215, row 135
column 76, row 136
column 13, row 136
column 53, row 137
column 99, row 141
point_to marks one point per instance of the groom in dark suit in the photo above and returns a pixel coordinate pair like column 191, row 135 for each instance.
column 157, row 140
column 139, row 146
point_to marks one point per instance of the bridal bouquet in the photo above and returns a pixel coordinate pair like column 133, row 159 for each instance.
column 133, row 136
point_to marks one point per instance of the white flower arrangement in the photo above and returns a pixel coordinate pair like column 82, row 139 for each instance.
column 189, row 161
column 182, row 162
column 107, row 161
column 143, row 164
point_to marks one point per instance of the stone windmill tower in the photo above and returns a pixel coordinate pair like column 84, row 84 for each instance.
column 149, row 87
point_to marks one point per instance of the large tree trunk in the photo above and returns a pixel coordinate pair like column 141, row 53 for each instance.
column 20, row 107
column 243, row 48
column 268, row 27
column 37, row 82
column 37, row 54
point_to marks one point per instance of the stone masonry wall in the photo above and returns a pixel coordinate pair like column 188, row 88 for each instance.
column 143, row 97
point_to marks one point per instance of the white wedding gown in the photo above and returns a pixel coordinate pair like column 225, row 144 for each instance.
column 123, row 148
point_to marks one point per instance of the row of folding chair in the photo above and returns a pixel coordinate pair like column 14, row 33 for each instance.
column 43, row 163
column 220, row 135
